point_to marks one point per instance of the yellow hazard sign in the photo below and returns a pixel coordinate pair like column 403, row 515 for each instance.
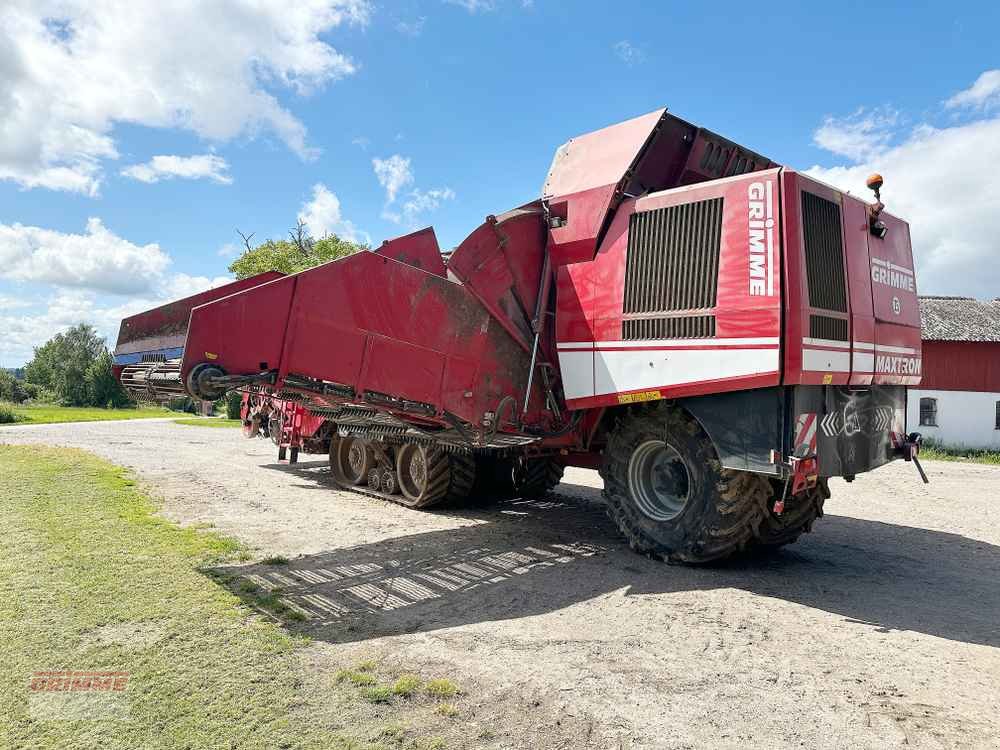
column 633, row 398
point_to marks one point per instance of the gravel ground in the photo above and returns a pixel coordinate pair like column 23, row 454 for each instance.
column 881, row 629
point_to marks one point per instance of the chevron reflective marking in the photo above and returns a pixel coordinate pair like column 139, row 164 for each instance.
column 883, row 418
column 831, row 424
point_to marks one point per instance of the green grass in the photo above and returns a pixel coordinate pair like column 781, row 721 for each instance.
column 377, row 694
column 210, row 422
column 446, row 709
column 406, row 685
column 932, row 451
column 441, row 688
column 275, row 560
column 93, row 580
column 354, row 677
column 49, row 414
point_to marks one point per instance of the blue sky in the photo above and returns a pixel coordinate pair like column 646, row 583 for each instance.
column 371, row 119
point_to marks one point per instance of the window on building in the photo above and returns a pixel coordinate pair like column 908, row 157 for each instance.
column 928, row 412
column 997, row 424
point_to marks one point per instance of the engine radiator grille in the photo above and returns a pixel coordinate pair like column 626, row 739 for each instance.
column 824, row 250
column 673, row 266
column 825, row 327
column 678, row 327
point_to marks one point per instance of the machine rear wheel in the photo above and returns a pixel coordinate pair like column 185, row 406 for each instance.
column 668, row 493
column 801, row 511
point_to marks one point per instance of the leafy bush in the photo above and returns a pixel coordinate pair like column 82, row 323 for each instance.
column 7, row 415
column 234, row 400
column 103, row 388
column 185, row 404
column 75, row 368
column 12, row 389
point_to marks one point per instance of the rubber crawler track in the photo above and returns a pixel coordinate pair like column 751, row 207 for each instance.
column 450, row 477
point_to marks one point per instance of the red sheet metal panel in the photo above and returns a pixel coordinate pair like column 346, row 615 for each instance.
column 500, row 263
column 859, row 287
column 419, row 249
column 243, row 332
column 961, row 366
column 897, row 309
column 599, row 158
column 808, row 359
column 166, row 326
column 743, row 353
column 379, row 326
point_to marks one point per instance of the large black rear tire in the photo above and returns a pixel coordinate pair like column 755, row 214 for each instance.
column 801, row 511
column 668, row 494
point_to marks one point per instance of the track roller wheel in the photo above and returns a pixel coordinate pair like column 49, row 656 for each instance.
column 535, row 477
column 668, row 493
column 388, row 482
column 374, row 480
column 351, row 458
column 428, row 476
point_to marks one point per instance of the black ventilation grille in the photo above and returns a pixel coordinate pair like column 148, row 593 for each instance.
column 673, row 259
column 823, row 327
column 682, row 327
column 713, row 158
column 824, row 247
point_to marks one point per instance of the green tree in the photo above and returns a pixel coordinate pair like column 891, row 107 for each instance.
column 103, row 388
column 297, row 253
column 61, row 364
column 11, row 389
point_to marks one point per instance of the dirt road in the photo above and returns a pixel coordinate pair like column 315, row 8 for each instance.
column 881, row 629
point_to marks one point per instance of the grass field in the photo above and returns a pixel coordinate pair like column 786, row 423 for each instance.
column 94, row 581
column 209, row 422
column 100, row 583
column 49, row 414
column 934, row 452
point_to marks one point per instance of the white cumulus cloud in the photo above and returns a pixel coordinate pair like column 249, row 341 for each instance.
column 70, row 70
column 628, row 53
column 945, row 182
column 202, row 166
column 982, row 94
column 69, row 307
column 858, row 136
column 474, row 6
column 95, row 259
column 393, row 174
column 419, row 202
column 322, row 216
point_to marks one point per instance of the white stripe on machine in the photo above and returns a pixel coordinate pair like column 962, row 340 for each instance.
column 824, row 360
column 669, row 343
column 620, row 369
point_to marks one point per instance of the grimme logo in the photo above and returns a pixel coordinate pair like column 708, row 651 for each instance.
column 897, row 365
column 78, row 695
column 893, row 276
column 760, row 228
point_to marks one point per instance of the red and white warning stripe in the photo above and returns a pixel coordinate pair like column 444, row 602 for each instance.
column 805, row 434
